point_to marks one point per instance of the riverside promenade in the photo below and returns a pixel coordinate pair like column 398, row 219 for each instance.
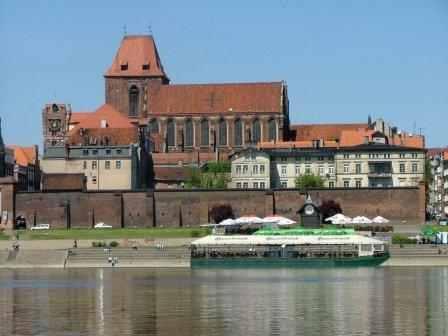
column 162, row 253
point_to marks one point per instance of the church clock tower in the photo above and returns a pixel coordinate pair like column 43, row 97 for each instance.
column 55, row 124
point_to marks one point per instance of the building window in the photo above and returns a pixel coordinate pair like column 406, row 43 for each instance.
column 245, row 185
column 84, row 165
column 284, row 184
column 108, row 152
column 238, row 185
column 95, row 152
column 283, row 170
column 261, row 169
column 222, row 132
column 402, row 155
column 85, row 152
column 346, row 184
column 245, row 169
column 307, row 158
column 205, row 132
column 238, row 170
column 119, row 151
column 93, row 179
column 346, row 156
column 307, row 170
column 283, row 159
column 414, row 167
column 272, row 130
column 118, row 164
column 170, row 132
column 346, row 168
column 94, row 164
column 262, row 185
column 133, row 101
column 321, row 170
column 256, row 131
column 358, row 183
column 358, row 156
column 331, row 184
column 330, row 170
column 255, row 169
column 153, row 127
column 297, row 170
column 358, row 168
column 402, row 167
column 238, row 132
column 320, row 158
column 107, row 164
column 255, row 185
column 414, row 155
column 189, row 132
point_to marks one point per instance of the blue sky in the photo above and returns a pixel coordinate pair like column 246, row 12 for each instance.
column 342, row 59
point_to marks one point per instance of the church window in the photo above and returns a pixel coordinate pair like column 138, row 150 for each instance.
column 238, row 132
column 204, row 132
column 133, row 101
column 272, row 130
column 170, row 132
column 222, row 132
column 189, row 132
column 256, row 131
column 145, row 66
column 124, row 67
column 153, row 126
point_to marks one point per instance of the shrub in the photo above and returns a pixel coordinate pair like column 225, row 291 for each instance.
column 99, row 244
column 113, row 244
column 309, row 181
column 220, row 212
column 330, row 208
column 196, row 233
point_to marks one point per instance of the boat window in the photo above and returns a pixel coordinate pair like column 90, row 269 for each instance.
column 378, row 247
column 366, row 247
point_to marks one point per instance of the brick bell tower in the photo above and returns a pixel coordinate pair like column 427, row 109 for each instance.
column 55, row 119
column 135, row 71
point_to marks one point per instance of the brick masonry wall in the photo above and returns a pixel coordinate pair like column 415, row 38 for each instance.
column 191, row 208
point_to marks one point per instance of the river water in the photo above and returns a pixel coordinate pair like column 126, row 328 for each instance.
column 356, row 301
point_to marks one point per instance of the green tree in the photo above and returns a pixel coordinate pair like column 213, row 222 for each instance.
column 216, row 175
column 309, row 181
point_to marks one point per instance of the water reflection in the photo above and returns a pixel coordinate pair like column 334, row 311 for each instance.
column 363, row 301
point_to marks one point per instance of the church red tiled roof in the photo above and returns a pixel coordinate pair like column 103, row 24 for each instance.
column 216, row 98
column 113, row 118
column 137, row 56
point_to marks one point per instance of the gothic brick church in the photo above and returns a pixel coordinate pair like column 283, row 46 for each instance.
column 185, row 124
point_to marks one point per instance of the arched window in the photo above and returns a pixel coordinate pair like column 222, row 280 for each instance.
column 256, row 131
column 238, row 132
column 272, row 130
column 204, row 132
column 153, row 126
column 133, row 101
column 170, row 132
column 189, row 133
column 222, row 132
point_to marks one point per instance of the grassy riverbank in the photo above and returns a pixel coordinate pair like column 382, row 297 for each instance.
column 99, row 234
column 3, row 236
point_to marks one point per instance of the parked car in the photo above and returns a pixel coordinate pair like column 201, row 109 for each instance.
column 41, row 227
column 101, row 225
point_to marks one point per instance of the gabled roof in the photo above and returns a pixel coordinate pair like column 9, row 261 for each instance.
column 106, row 112
column 134, row 54
column 24, row 156
column 216, row 98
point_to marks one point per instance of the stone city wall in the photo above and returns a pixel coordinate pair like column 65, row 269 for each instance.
column 182, row 208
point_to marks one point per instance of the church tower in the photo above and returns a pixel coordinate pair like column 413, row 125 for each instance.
column 2, row 153
column 55, row 119
column 135, row 71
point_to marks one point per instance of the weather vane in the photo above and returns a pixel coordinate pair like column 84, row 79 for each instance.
column 149, row 30
column 125, row 32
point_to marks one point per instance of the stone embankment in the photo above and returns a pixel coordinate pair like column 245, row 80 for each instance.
column 418, row 255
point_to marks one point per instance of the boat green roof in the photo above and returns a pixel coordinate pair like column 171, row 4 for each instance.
column 305, row 232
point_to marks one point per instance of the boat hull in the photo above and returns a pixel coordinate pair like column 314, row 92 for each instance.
column 367, row 261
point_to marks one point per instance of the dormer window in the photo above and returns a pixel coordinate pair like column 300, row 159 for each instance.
column 124, row 66
column 145, row 66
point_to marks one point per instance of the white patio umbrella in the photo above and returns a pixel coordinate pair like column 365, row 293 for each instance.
column 342, row 221
column 361, row 220
column 338, row 216
column 248, row 220
column 380, row 220
column 279, row 220
column 228, row 221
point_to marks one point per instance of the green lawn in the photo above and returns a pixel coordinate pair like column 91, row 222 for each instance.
column 113, row 233
column 3, row 236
